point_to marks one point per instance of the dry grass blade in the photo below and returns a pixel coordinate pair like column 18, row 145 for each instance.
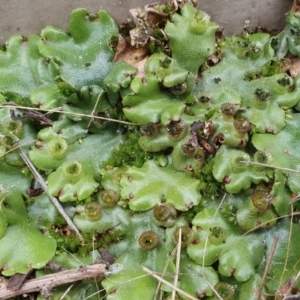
column 287, row 253
column 295, row 199
column 66, row 292
column 213, row 289
column 268, row 264
column 293, row 214
column 169, row 259
column 177, row 263
column 205, row 249
column 168, row 284
column 94, row 109
column 212, row 220
column 56, row 203
column 268, row 166
column 288, row 291
column 18, row 147
column 44, row 284
column 57, row 110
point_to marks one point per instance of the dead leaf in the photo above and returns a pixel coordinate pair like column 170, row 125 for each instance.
column 294, row 68
column 126, row 52
column 17, row 280
column 135, row 56
column 296, row 6
column 106, row 256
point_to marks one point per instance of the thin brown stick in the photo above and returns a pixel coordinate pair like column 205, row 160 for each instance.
column 65, row 113
column 94, row 109
column 212, row 288
column 169, row 259
column 44, row 284
column 287, row 296
column 18, row 147
column 268, row 166
column 66, row 292
column 153, row 274
column 288, row 250
column 268, row 264
column 56, row 203
column 175, row 282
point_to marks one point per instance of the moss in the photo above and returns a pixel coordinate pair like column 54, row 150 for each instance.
column 212, row 151
column 129, row 153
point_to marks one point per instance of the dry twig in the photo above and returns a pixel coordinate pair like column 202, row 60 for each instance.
column 163, row 274
column 44, row 284
column 56, row 203
column 168, row 284
column 58, row 110
column 268, row 264
column 94, row 109
column 177, row 263
column 290, row 287
column 253, row 163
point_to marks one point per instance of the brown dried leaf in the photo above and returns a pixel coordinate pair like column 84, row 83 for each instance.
column 3, row 282
column 135, row 56
column 126, row 52
column 17, row 280
column 296, row 6
column 142, row 32
column 294, row 68
column 106, row 256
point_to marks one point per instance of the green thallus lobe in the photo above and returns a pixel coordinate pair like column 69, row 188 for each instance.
column 218, row 128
